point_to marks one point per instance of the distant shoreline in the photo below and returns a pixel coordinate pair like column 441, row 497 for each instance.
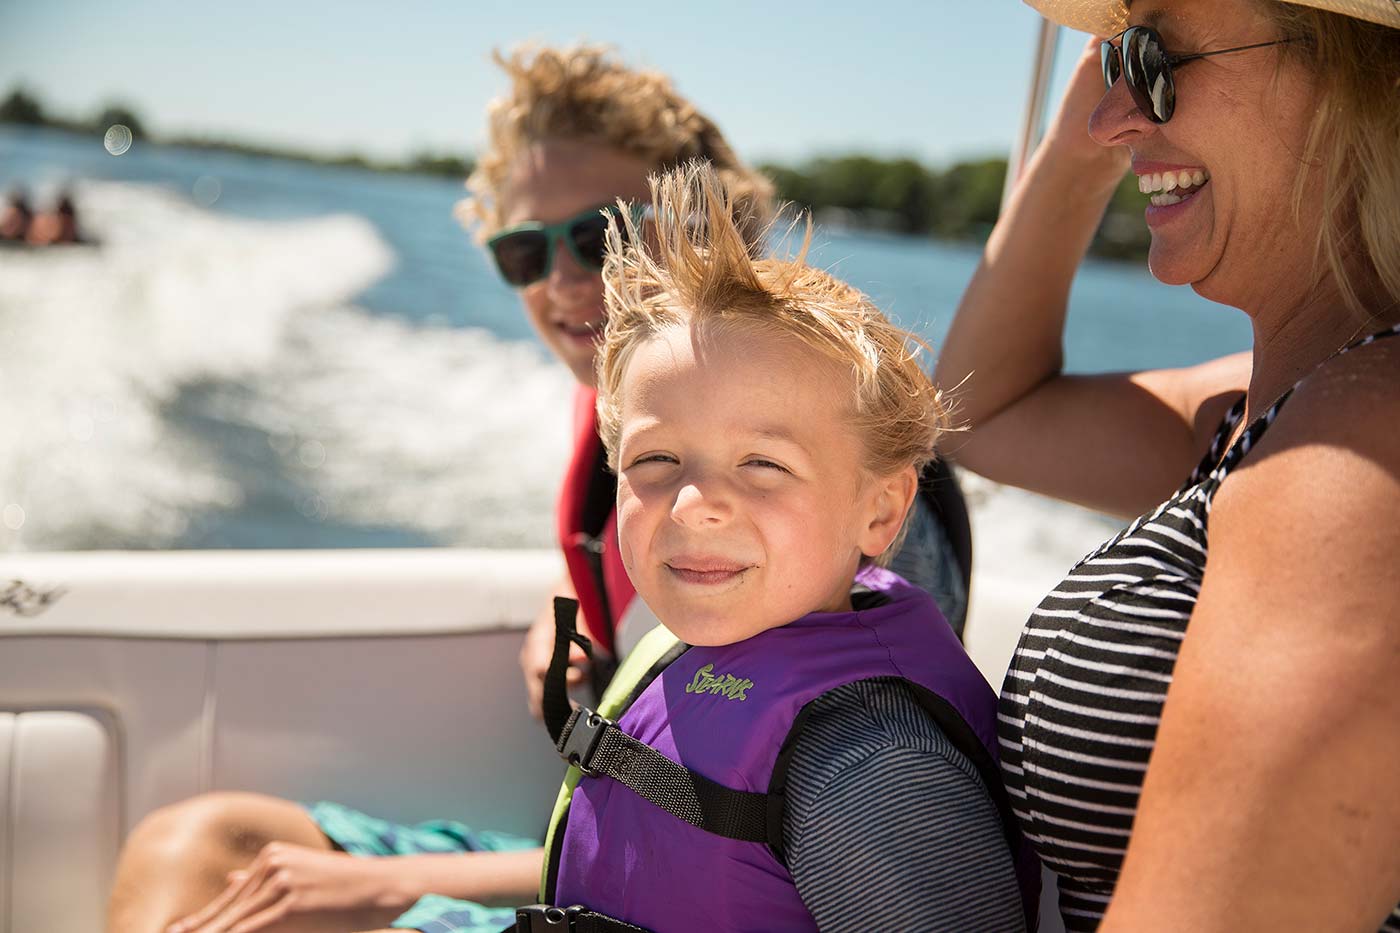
column 445, row 166
column 898, row 195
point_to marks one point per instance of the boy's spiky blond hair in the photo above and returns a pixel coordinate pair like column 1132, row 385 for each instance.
column 697, row 268
column 582, row 92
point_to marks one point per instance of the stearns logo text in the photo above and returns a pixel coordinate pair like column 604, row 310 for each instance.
column 726, row 685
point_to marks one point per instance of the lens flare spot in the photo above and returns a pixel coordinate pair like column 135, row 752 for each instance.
column 313, row 507
column 117, row 139
column 207, row 190
column 312, row 454
column 13, row 516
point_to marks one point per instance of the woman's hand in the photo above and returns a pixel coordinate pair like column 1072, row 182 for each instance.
column 293, row 888
column 1114, row 442
column 1068, row 134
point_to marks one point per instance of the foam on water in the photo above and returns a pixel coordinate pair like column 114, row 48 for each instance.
column 453, row 433
column 379, row 421
column 198, row 367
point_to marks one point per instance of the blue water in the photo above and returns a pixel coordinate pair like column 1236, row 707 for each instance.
column 267, row 353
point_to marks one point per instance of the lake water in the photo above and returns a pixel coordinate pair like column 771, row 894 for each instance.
column 272, row 354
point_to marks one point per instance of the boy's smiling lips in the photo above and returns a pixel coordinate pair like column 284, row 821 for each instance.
column 706, row 571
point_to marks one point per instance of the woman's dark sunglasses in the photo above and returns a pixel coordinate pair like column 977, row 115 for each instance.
column 1147, row 66
column 524, row 253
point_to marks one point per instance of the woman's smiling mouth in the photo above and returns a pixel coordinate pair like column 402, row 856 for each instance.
column 1172, row 186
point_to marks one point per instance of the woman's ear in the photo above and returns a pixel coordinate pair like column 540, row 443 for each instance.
column 886, row 504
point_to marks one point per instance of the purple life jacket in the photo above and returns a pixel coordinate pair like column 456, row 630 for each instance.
column 730, row 713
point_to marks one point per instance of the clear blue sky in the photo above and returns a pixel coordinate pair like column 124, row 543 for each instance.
column 938, row 79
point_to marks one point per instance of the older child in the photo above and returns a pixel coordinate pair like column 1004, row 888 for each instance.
column 823, row 757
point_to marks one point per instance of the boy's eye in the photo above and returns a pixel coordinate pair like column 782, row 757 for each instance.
column 654, row 458
column 766, row 464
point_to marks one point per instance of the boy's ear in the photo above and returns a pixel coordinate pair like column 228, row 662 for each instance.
column 888, row 504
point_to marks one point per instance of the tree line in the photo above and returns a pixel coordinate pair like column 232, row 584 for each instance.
column 896, row 194
column 957, row 203
column 24, row 109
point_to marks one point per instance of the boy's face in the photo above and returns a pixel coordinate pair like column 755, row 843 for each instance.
column 743, row 503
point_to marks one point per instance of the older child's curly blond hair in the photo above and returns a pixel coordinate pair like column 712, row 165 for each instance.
column 582, row 92
column 696, row 268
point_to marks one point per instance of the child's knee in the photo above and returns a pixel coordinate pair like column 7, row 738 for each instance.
column 224, row 825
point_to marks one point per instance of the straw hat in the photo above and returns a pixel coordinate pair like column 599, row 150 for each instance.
column 1110, row 17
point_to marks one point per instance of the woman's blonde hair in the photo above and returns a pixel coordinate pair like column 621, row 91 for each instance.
column 1355, row 141
column 582, row 92
column 697, row 269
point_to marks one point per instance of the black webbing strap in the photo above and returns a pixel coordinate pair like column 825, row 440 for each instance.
column 542, row 918
column 596, row 746
column 599, row 502
column 555, row 702
column 939, row 487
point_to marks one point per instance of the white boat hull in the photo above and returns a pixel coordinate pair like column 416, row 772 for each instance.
column 384, row 680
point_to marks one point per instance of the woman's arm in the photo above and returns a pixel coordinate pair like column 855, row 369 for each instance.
column 1273, row 796
column 1117, row 442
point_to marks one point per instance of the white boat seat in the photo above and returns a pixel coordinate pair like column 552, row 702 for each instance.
column 384, row 680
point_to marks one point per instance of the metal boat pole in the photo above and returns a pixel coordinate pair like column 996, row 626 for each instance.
column 1034, row 118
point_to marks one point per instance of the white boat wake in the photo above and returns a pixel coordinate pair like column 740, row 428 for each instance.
column 454, row 434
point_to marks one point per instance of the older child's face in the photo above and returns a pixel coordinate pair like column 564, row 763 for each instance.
column 742, row 500
column 552, row 181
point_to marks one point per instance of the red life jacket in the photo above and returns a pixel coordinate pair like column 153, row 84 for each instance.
column 587, row 516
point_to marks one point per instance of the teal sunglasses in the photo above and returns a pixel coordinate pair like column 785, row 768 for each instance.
column 524, row 253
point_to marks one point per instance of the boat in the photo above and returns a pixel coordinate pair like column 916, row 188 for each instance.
column 383, row 679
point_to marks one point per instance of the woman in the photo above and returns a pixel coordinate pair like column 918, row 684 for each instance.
column 576, row 132
column 1198, row 726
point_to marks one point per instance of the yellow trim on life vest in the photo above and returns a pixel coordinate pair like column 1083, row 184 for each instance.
column 654, row 646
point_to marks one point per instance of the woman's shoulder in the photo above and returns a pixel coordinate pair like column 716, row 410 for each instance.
column 1348, row 405
column 1311, row 508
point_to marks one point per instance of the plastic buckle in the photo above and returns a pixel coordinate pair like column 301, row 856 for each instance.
column 542, row 918
column 584, row 738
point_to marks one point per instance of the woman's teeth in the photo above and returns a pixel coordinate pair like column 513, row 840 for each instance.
column 1172, row 187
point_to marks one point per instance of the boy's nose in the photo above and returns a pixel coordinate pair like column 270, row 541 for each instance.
column 697, row 507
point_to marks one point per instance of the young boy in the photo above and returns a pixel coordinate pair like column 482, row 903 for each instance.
column 823, row 756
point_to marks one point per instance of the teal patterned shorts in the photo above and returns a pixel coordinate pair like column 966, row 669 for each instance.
column 361, row 834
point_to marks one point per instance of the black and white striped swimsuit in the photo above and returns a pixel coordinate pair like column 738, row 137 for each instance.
column 1083, row 697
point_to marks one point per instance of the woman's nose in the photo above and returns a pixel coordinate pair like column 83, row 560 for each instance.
column 1117, row 121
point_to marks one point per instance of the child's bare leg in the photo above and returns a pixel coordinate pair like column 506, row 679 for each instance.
column 177, row 859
